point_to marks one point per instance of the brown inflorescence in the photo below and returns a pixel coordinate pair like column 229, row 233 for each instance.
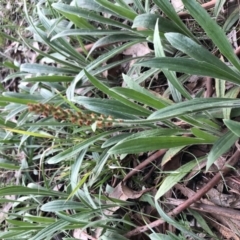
column 78, row 118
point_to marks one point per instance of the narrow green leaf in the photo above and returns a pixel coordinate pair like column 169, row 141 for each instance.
column 232, row 93
column 110, row 107
column 93, row 6
column 138, row 4
column 45, row 69
column 8, row 166
column 50, row 230
column 71, row 152
column 233, row 126
column 139, row 97
column 170, row 154
column 151, row 100
column 230, row 21
column 179, row 225
column 149, row 20
column 160, row 236
column 29, row 133
column 90, row 32
column 170, row 12
column 102, row 87
column 201, row 221
column 94, row 64
column 154, row 133
column 113, row 39
column 60, row 205
column 113, row 140
column 222, row 145
column 76, row 167
column 204, row 135
column 174, row 84
column 139, row 145
column 64, row 8
column 191, row 106
column 212, row 30
column 53, row 78
column 174, row 177
column 218, row 7
column 197, row 51
column 190, row 66
column 220, row 87
column 20, row 190
column 16, row 100
column 122, row 12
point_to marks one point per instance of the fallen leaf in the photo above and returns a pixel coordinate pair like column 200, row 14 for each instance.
column 137, row 50
column 178, row 5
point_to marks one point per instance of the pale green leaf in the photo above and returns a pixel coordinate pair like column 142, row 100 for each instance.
column 139, row 145
column 221, row 146
column 233, row 126
column 176, row 176
column 213, row 30
column 190, row 66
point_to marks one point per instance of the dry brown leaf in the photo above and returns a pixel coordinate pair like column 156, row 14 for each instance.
column 80, row 234
column 122, row 192
column 137, row 50
column 6, row 207
column 178, row 5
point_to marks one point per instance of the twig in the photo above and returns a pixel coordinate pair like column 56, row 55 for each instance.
column 209, row 208
column 209, row 87
column 237, row 51
column 207, row 5
column 145, row 163
column 231, row 162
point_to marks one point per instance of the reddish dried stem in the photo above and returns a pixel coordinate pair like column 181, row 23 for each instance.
column 231, row 162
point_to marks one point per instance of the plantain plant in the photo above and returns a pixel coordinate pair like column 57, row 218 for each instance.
column 73, row 128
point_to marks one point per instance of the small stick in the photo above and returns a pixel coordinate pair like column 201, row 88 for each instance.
column 207, row 5
column 231, row 162
column 145, row 163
